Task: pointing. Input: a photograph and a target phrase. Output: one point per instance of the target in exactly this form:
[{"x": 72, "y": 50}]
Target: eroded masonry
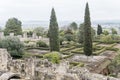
[{"x": 36, "y": 69}]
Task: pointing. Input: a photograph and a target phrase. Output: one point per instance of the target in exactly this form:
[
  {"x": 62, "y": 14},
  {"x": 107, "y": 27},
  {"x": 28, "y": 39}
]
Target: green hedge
[
  {"x": 67, "y": 49},
  {"x": 79, "y": 64},
  {"x": 96, "y": 43},
  {"x": 77, "y": 51},
  {"x": 41, "y": 44},
  {"x": 28, "y": 55},
  {"x": 112, "y": 45},
  {"x": 96, "y": 48},
  {"x": 66, "y": 53},
  {"x": 40, "y": 48},
  {"x": 68, "y": 56},
  {"x": 112, "y": 49},
  {"x": 78, "y": 45},
  {"x": 98, "y": 52}
]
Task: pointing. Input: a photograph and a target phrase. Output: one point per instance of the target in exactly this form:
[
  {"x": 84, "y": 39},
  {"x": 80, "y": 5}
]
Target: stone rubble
[{"x": 36, "y": 69}]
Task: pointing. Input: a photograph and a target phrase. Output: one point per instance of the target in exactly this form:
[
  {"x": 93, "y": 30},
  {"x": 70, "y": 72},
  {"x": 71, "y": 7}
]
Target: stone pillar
[
  {"x": 30, "y": 64},
  {"x": 4, "y": 59},
  {"x": 34, "y": 36},
  {"x": 1, "y": 35},
  {"x": 40, "y": 37},
  {"x": 25, "y": 35},
  {"x": 11, "y": 34}
]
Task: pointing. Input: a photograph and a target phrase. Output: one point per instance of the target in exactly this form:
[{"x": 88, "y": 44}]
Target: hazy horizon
[
  {"x": 37, "y": 23},
  {"x": 66, "y": 10},
  {"x": 33, "y": 12}
]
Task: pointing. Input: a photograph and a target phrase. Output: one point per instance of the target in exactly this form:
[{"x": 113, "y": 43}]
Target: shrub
[
  {"x": 106, "y": 39},
  {"x": 30, "y": 44},
  {"x": 41, "y": 44},
  {"x": 13, "y": 45},
  {"x": 54, "y": 57},
  {"x": 27, "y": 41},
  {"x": 69, "y": 37},
  {"x": 61, "y": 40},
  {"x": 105, "y": 32}
]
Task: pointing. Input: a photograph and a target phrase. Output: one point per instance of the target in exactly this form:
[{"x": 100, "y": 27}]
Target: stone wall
[
  {"x": 4, "y": 59},
  {"x": 37, "y": 69},
  {"x": 24, "y": 67}
]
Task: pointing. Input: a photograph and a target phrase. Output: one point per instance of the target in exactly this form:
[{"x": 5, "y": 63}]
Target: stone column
[
  {"x": 4, "y": 59},
  {"x": 34, "y": 36},
  {"x": 11, "y": 34},
  {"x": 25, "y": 35},
  {"x": 1, "y": 35}
]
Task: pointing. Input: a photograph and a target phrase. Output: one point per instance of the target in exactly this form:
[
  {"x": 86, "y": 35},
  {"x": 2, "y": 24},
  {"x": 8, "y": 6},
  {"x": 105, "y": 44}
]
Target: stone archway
[
  {"x": 9, "y": 76},
  {"x": 14, "y": 77}
]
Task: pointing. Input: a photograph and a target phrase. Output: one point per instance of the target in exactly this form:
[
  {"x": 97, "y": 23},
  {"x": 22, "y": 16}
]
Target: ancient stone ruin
[{"x": 36, "y": 69}]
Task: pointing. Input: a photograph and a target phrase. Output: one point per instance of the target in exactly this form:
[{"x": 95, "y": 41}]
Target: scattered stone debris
[{"x": 36, "y": 69}]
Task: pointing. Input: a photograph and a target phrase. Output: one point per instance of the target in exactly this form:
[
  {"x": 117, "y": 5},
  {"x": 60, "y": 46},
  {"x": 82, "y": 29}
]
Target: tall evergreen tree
[
  {"x": 87, "y": 32},
  {"x": 99, "y": 30},
  {"x": 81, "y": 33},
  {"x": 54, "y": 32}
]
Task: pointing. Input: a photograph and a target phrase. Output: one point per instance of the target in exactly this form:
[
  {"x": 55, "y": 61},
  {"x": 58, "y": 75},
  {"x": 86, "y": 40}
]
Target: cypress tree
[
  {"x": 87, "y": 32},
  {"x": 53, "y": 32},
  {"x": 99, "y": 30}
]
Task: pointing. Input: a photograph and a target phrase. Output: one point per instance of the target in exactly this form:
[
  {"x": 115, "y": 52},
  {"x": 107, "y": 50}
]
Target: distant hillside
[{"x": 33, "y": 24}]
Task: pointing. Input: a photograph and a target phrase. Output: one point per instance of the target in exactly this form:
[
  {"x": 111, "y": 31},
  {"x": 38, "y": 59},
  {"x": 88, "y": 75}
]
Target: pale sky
[{"x": 66, "y": 10}]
